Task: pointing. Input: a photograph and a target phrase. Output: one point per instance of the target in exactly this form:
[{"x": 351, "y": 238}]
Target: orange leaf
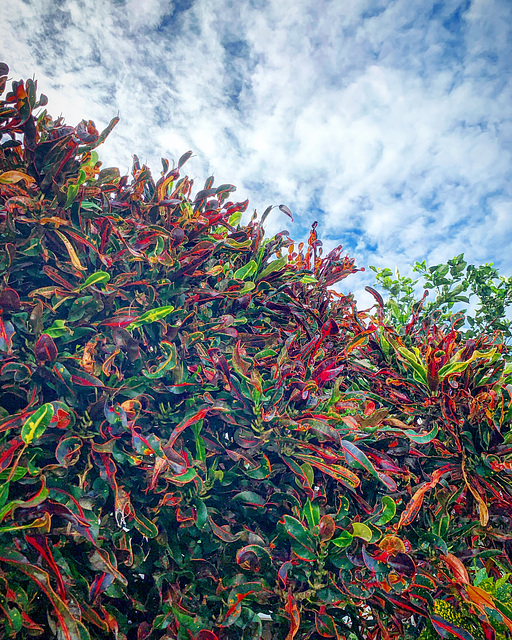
[
  {"x": 293, "y": 611},
  {"x": 392, "y": 544},
  {"x": 479, "y": 597},
  {"x": 459, "y": 570},
  {"x": 412, "y": 509},
  {"x": 11, "y": 177}
]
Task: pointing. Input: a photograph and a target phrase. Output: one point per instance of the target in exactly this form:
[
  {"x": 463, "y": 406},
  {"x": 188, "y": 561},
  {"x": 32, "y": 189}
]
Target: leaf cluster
[
  {"x": 478, "y": 297},
  {"x": 200, "y": 438}
]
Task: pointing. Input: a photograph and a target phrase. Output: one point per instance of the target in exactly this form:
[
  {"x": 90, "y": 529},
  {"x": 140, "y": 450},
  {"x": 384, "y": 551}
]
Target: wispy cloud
[{"x": 390, "y": 122}]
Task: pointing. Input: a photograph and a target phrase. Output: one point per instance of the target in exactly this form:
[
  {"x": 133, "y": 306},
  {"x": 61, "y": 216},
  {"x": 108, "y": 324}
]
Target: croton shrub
[{"x": 201, "y": 440}]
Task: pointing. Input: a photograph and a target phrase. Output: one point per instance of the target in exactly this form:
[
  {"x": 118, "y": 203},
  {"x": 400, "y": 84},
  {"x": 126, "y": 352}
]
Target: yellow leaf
[
  {"x": 52, "y": 219},
  {"x": 72, "y": 253},
  {"x": 11, "y": 177},
  {"x": 483, "y": 511}
]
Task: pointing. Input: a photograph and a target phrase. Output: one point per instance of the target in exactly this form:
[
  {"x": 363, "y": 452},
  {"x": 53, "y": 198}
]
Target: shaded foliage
[{"x": 197, "y": 434}]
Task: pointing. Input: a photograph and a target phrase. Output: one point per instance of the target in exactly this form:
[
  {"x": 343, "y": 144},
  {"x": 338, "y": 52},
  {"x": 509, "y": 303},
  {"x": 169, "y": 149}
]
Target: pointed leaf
[
  {"x": 67, "y": 623},
  {"x": 36, "y": 425},
  {"x": 447, "y": 629},
  {"x": 100, "y": 277},
  {"x": 151, "y": 316}
]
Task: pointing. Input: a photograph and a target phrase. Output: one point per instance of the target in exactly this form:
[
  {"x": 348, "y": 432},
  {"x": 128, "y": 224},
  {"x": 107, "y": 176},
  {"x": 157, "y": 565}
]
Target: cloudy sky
[{"x": 388, "y": 121}]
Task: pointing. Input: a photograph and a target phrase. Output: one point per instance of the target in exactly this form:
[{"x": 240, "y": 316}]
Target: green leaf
[
  {"x": 183, "y": 478},
  {"x": 18, "y": 474},
  {"x": 13, "y": 621},
  {"x": 151, "y": 316},
  {"x": 362, "y": 531},
  {"x": 247, "y": 288},
  {"x": 250, "y": 498},
  {"x": 145, "y": 526},
  {"x": 234, "y": 218},
  {"x": 275, "y": 265},
  {"x": 71, "y": 194},
  {"x": 89, "y": 205},
  {"x": 36, "y": 425},
  {"x": 202, "y": 514},
  {"x": 420, "y": 371},
  {"x": 458, "y": 367},
  {"x": 303, "y": 543},
  {"x": 308, "y": 472},
  {"x": 312, "y": 513},
  {"x": 307, "y": 279},
  {"x": 388, "y": 510},
  {"x": 236, "y": 596},
  {"x": 422, "y": 437},
  {"x": 58, "y": 329},
  {"x": 100, "y": 277},
  {"x": 4, "y": 490},
  {"x": 343, "y": 540},
  {"x": 246, "y": 271},
  {"x": 261, "y": 472},
  {"x": 238, "y": 246}
]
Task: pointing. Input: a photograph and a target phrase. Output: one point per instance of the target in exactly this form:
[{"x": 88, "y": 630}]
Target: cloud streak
[{"x": 389, "y": 122}]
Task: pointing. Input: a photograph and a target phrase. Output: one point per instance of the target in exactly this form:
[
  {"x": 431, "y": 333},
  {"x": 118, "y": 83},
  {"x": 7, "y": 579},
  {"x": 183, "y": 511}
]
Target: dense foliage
[
  {"x": 200, "y": 439},
  {"x": 478, "y": 294}
]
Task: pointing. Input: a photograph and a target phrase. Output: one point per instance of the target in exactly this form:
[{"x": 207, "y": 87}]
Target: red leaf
[
  {"x": 28, "y": 623},
  {"x": 86, "y": 380},
  {"x": 67, "y": 623},
  {"x": 186, "y": 423},
  {"x": 403, "y": 564},
  {"x": 445, "y": 628},
  {"x": 7, "y": 455},
  {"x": 40, "y": 543},
  {"x": 6, "y": 334},
  {"x": 45, "y": 349},
  {"x": 205, "y": 634},
  {"x": 293, "y": 611},
  {"x": 100, "y": 584},
  {"x": 9, "y": 299},
  {"x": 326, "y": 528}
]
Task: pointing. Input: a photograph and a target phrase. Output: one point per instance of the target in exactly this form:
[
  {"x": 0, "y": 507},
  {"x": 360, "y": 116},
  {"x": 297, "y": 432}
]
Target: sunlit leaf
[{"x": 100, "y": 277}]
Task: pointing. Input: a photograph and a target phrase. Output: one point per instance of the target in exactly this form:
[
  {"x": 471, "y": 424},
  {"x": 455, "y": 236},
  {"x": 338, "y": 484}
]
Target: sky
[{"x": 389, "y": 122}]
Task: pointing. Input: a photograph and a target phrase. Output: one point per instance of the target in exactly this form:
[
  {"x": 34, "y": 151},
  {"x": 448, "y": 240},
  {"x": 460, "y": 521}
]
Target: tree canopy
[{"x": 201, "y": 439}]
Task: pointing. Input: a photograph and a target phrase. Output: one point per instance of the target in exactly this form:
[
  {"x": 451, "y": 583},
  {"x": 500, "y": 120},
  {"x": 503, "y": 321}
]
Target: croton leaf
[{"x": 34, "y": 427}]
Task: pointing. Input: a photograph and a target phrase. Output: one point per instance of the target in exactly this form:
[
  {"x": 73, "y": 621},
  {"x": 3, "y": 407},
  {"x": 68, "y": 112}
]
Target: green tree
[{"x": 476, "y": 296}]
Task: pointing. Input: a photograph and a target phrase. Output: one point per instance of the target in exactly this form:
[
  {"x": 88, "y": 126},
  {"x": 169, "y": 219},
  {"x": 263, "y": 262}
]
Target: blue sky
[{"x": 389, "y": 122}]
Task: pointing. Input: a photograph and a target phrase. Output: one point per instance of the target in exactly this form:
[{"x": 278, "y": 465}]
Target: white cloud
[{"x": 391, "y": 122}]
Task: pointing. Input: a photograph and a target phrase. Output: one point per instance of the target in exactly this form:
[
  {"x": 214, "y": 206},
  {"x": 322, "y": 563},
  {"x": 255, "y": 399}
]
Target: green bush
[{"x": 200, "y": 439}]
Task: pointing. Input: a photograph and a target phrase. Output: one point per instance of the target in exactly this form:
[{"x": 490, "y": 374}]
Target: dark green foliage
[{"x": 198, "y": 434}]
